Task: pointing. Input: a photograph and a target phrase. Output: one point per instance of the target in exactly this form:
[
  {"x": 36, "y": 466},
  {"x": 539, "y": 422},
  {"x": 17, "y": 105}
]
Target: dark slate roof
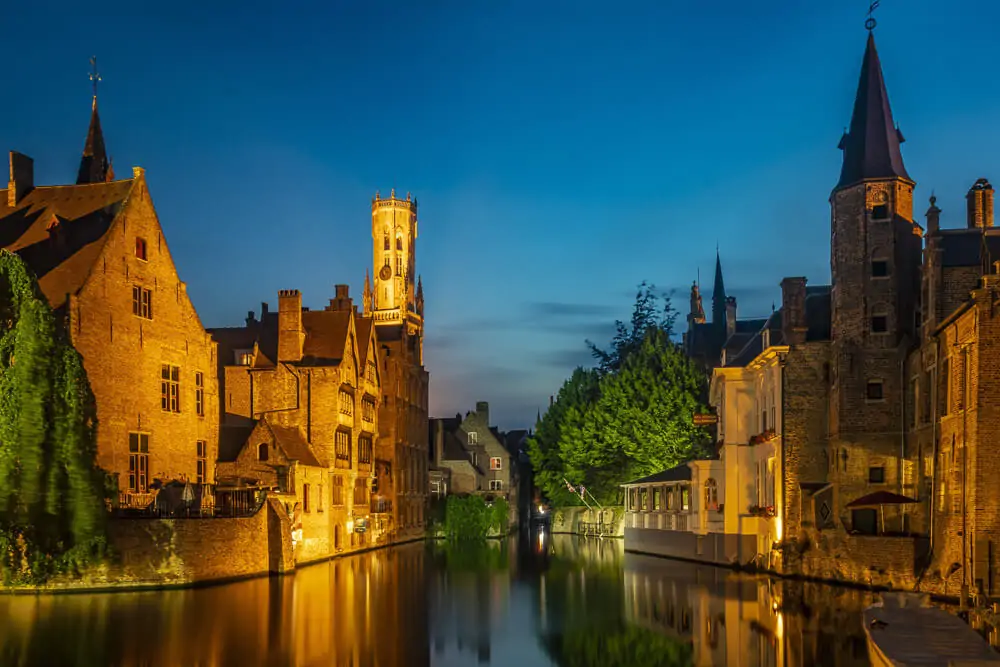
[
  {"x": 969, "y": 247},
  {"x": 817, "y": 320},
  {"x": 871, "y": 146},
  {"x": 326, "y": 335},
  {"x": 681, "y": 473},
  {"x": 453, "y": 448},
  {"x": 326, "y": 338},
  {"x": 80, "y": 217},
  {"x": 294, "y": 446}
]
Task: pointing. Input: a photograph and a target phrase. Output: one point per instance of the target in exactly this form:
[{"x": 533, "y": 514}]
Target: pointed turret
[
  {"x": 94, "y": 165},
  {"x": 718, "y": 295},
  {"x": 871, "y": 146},
  {"x": 420, "y": 295},
  {"x": 366, "y": 295},
  {"x": 697, "y": 312}
]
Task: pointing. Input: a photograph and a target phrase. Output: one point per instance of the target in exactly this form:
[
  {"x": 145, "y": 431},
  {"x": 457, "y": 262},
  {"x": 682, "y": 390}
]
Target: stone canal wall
[
  {"x": 715, "y": 548},
  {"x": 576, "y": 520},
  {"x": 153, "y": 553}
]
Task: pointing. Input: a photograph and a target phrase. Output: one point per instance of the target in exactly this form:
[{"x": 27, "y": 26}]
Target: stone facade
[
  {"x": 307, "y": 389},
  {"x": 103, "y": 263}
]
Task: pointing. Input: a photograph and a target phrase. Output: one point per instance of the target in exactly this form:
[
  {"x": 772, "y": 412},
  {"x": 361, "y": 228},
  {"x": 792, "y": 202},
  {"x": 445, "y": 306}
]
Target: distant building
[
  {"x": 476, "y": 460},
  {"x": 102, "y": 262}
]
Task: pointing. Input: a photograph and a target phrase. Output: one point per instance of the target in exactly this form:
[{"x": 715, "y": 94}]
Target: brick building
[
  {"x": 302, "y": 386},
  {"x": 879, "y": 412},
  {"x": 103, "y": 264},
  {"x": 394, "y": 303}
]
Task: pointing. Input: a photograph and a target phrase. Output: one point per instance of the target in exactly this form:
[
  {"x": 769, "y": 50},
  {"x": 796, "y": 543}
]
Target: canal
[{"x": 536, "y": 599}]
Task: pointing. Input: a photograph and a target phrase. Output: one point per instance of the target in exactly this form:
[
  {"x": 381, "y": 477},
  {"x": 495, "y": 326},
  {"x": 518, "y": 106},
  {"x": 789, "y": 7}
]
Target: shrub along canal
[{"x": 535, "y": 599}]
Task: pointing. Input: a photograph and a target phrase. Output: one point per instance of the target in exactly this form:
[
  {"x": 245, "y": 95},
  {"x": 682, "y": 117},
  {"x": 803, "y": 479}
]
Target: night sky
[{"x": 560, "y": 154}]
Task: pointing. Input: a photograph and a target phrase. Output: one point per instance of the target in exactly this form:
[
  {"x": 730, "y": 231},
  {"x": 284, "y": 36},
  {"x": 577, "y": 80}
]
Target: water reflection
[{"x": 551, "y": 600}]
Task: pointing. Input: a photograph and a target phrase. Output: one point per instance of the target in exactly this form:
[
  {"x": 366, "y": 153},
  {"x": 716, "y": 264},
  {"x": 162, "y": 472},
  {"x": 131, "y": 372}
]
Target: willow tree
[{"x": 51, "y": 490}]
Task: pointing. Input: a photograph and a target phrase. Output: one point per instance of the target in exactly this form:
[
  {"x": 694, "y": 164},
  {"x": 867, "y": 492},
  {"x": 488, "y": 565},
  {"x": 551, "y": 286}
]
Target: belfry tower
[
  {"x": 394, "y": 298},
  {"x": 875, "y": 268}
]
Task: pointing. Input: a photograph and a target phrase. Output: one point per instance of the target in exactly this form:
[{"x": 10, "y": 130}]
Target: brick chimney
[
  {"x": 342, "y": 301},
  {"x": 22, "y": 178},
  {"x": 730, "y": 316},
  {"x": 291, "y": 334},
  {"x": 483, "y": 410},
  {"x": 980, "y": 204},
  {"x": 793, "y": 310}
]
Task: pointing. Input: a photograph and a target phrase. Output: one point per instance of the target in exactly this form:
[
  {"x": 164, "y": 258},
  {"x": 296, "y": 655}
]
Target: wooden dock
[{"x": 906, "y": 632}]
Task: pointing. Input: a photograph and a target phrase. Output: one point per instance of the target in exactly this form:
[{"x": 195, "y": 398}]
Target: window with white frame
[
  {"x": 496, "y": 485},
  {"x": 495, "y": 463},
  {"x": 473, "y": 438}
]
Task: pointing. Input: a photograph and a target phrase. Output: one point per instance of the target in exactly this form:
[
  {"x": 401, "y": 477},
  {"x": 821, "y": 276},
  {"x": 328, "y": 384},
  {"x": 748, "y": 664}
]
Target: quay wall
[
  {"x": 717, "y": 548},
  {"x": 570, "y": 519}
]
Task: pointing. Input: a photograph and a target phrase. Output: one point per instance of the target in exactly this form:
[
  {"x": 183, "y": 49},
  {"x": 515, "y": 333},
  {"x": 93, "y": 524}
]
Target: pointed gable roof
[
  {"x": 872, "y": 145},
  {"x": 94, "y": 165},
  {"x": 59, "y": 231}
]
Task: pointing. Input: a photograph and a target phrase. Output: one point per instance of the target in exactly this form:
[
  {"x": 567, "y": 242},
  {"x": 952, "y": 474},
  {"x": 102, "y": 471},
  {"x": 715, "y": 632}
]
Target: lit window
[
  {"x": 495, "y": 463},
  {"x": 138, "y": 462},
  {"x": 711, "y": 494},
  {"x": 140, "y": 248},
  {"x": 473, "y": 438}
]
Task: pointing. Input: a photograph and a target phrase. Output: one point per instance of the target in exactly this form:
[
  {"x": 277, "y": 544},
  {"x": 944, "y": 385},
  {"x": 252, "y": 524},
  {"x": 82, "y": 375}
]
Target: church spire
[
  {"x": 872, "y": 145},
  {"x": 718, "y": 294},
  {"x": 94, "y": 165},
  {"x": 366, "y": 296},
  {"x": 420, "y": 295}
]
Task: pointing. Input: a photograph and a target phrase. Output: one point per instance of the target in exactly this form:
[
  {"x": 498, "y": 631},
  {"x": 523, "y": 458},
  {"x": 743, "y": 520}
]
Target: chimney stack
[
  {"x": 980, "y": 204},
  {"x": 22, "y": 178},
  {"x": 483, "y": 410},
  {"x": 933, "y": 217},
  {"x": 250, "y": 318},
  {"x": 342, "y": 301},
  {"x": 793, "y": 310},
  {"x": 730, "y": 316},
  {"x": 291, "y": 335}
]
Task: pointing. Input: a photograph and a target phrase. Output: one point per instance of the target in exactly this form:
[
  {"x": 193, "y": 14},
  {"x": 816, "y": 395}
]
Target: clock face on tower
[{"x": 385, "y": 273}]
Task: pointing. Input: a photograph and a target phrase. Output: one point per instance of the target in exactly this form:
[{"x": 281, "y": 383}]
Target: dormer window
[
  {"x": 140, "y": 249},
  {"x": 244, "y": 357}
]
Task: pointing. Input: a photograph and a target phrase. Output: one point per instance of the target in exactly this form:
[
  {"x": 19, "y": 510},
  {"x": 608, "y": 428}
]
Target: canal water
[{"x": 535, "y": 600}]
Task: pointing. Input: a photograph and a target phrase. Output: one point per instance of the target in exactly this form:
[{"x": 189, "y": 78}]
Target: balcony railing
[{"x": 205, "y": 501}]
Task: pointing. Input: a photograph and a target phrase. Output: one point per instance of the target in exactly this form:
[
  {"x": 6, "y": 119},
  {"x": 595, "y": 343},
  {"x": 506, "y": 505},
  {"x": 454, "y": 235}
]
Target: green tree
[
  {"x": 628, "y": 418},
  {"x": 51, "y": 491}
]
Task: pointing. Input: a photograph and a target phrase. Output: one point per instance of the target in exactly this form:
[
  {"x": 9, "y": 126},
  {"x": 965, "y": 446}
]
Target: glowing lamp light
[{"x": 350, "y": 525}]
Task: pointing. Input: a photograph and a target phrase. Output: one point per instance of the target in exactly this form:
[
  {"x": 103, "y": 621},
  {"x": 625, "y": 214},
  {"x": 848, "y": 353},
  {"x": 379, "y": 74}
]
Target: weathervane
[
  {"x": 95, "y": 76},
  {"x": 870, "y": 22}
]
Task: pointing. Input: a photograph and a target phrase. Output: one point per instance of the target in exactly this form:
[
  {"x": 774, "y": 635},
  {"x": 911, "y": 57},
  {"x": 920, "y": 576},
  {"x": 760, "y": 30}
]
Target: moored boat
[{"x": 904, "y": 630}]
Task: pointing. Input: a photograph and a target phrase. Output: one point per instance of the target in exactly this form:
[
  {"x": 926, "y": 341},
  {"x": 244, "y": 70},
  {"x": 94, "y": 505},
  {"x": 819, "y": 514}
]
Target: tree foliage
[
  {"x": 472, "y": 518},
  {"x": 630, "y": 417},
  {"x": 51, "y": 491}
]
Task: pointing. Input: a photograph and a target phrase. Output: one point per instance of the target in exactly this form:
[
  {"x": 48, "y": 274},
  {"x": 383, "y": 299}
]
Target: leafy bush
[{"x": 472, "y": 518}]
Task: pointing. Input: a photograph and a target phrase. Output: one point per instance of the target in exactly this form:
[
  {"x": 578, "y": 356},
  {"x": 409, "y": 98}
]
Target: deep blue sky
[{"x": 561, "y": 151}]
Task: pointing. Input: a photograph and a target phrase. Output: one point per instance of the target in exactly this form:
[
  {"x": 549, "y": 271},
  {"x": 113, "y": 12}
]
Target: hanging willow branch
[{"x": 51, "y": 491}]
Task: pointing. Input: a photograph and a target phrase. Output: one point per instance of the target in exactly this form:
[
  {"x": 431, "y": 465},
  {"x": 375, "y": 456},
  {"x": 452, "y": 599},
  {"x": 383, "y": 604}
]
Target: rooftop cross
[
  {"x": 870, "y": 22},
  {"x": 95, "y": 76}
]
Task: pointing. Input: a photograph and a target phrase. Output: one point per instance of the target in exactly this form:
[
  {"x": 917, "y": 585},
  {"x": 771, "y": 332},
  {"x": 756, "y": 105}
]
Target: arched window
[
  {"x": 262, "y": 451},
  {"x": 711, "y": 494},
  {"x": 399, "y": 243},
  {"x": 385, "y": 243}
]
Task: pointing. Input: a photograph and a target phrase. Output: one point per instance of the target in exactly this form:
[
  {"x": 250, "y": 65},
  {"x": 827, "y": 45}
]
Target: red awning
[{"x": 880, "y": 498}]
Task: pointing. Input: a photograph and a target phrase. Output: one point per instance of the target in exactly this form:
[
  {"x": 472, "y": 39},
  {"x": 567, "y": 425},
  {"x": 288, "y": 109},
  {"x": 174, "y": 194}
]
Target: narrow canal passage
[{"x": 535, "y": 600}]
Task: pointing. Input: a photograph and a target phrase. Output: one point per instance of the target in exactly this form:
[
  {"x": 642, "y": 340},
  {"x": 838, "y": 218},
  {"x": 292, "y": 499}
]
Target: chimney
[
  {"x": 980, "y": 204},
  {"x": 22, "y": 178},
  {"x": 291, "y": 335},
  {"x": 793, "y": 310},
  {"x": 342, "y": 301},
  {"x": 483, "y": 410},
  {"x": 250, "y": 318},
  {"x": 730, "y": 316},
  {"x": 263, "y": 310},
  {"x": 438, "y": 441}
]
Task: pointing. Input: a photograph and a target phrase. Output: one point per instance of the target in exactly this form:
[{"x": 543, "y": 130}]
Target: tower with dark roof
[
  {"x": 875, "y": 269},
  {"x": 94, "y": 164},
  {"x": 718, "y": 297}
]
